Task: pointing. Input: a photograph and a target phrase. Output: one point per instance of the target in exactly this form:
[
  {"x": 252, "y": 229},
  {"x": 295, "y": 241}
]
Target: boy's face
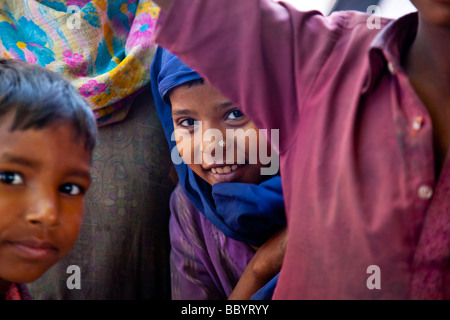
[
  {"x": 435, "y": 12},
  {"x": 44, "y": 175},
  {"x": 201, "y": 110}
]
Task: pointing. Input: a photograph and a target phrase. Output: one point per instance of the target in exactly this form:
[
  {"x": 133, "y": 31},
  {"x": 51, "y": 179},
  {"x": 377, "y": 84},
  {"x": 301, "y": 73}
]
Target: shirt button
[
  {"x": 425, "y": 192},
  {"x": 391, "y": 68},
  {"x": 417, "y": 123}
]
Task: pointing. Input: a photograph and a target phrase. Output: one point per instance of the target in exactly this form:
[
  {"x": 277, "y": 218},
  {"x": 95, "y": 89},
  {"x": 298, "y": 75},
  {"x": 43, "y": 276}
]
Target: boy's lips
[{"x": 34, "y": 248}]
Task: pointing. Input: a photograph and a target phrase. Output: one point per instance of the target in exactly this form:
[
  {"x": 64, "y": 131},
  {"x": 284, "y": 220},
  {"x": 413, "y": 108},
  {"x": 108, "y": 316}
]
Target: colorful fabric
[
  {"x": 17, "y": 292},
  {"x": 205, "y": 264},
  {"x": 246, "y": 212},
  {"x": 103, "y": 47},
  {"x": 356, "y": 141}
]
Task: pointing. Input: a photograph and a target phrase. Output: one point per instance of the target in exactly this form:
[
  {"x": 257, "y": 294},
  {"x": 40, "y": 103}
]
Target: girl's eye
[
  {"x": 11, "y": 178},
  {"x": 187, "y": 123},
  {"x": 235, "y": 114},
  {"x": 71, "y": 189}
]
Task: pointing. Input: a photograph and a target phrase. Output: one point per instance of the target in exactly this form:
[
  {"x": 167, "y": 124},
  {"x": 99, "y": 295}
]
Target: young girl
[
  {"x": 47, "y": 134},
  {"x": 363, "y": 111},
  {"x": 222, "y": 210}
]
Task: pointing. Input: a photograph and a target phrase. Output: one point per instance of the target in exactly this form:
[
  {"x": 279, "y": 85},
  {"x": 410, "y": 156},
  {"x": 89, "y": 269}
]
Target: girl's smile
[
  {"x": 226, "y": 173},
  {"x": 199, "y": 110}
]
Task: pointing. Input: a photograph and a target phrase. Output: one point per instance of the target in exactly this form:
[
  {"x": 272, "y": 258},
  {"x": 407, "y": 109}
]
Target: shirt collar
[{"x": 389, "y": 47}]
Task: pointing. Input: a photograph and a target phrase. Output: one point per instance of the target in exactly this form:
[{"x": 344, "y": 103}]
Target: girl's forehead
[{"x": 199, "y": 99}]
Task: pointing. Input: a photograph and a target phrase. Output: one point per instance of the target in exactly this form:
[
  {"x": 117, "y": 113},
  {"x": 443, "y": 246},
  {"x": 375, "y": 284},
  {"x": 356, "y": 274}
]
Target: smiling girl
[{"x": 224, "y": 208}]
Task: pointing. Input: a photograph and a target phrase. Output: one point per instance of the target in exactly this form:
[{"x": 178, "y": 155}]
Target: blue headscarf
[{"x": 249, "y": 213}]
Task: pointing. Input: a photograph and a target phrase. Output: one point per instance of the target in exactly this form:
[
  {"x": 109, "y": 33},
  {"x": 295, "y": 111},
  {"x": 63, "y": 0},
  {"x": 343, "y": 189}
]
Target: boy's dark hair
[{"x": 41, "y": 97}]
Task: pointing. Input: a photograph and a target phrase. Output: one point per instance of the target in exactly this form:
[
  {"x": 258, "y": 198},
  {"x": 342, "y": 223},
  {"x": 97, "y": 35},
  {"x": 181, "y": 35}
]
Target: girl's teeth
[{"x": 225, "y": 169}]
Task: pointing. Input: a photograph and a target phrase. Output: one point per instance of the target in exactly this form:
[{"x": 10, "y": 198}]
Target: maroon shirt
[{"x": 356, "y": 143}]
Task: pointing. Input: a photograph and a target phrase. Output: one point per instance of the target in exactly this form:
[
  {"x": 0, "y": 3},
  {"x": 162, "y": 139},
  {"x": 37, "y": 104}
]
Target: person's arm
[
  {"x": 265, "y": 264},
  {"x": 262, "y": 55}
]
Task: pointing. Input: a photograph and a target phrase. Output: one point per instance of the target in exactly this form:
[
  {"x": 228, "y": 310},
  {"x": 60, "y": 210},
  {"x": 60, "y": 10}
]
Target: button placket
[
  {"x": 425, "y": 192},
  {"x": 417, "y": 124},
  {"x": 391, "y": 68}
]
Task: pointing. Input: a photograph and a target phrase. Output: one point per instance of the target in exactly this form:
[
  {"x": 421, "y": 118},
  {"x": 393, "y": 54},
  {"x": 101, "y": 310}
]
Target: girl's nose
[{"x": 213, "y": 142}]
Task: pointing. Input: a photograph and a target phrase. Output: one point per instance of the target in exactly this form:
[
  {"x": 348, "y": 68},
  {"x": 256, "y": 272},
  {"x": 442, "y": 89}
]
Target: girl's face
[{"x": 204, "y": 145}]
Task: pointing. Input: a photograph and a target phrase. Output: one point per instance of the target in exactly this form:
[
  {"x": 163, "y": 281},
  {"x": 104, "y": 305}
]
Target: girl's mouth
[
  {"x": 225, "y": 169},
  {"x": 227, "y": 173}
]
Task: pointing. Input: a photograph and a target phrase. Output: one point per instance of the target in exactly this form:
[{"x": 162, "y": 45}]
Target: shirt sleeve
[{"x": 261, "y": 54}]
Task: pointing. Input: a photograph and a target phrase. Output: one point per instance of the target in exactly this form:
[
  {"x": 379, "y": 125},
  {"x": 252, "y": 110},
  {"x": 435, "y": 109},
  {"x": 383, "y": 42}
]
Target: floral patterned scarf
[{"x": 103, "y": 47}]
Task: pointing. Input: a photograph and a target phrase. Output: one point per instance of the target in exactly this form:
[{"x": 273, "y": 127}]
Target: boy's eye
[
  {"x": 11, "y": 178},
  {"x": 71, "y": 189},
  {"x": 187, "y": 123},
  {"x": 235, "y": 114}
]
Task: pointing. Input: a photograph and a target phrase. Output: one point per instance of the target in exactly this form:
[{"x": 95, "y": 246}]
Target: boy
[
  {"x": 364, "y": 119},
  {"x": 47, "y": 134}
]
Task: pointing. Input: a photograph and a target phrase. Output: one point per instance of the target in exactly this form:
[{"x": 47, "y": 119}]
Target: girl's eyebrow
[
  {"x": 183, "y": 112},
  {"x": 224, "y": 105}
]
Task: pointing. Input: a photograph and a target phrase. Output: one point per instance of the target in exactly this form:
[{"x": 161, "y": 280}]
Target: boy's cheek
[
  {"x": 19, "y": 270},
  {"x": 70, "y": 226}
]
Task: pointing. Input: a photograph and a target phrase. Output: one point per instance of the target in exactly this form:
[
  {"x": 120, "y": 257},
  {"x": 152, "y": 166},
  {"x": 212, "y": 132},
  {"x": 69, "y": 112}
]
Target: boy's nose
[{"x": 43, "y": 210}]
